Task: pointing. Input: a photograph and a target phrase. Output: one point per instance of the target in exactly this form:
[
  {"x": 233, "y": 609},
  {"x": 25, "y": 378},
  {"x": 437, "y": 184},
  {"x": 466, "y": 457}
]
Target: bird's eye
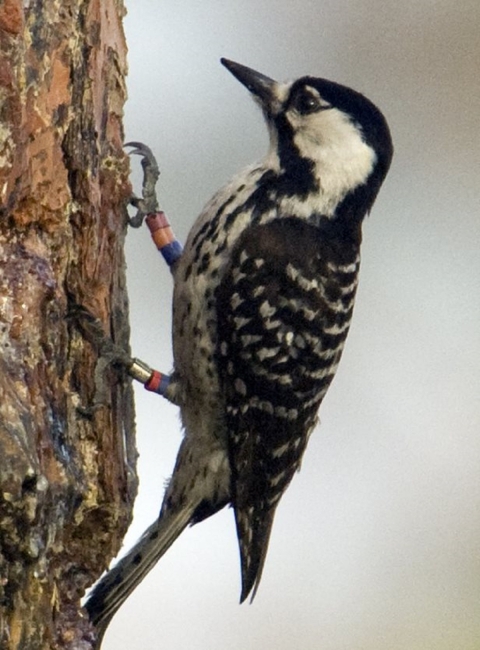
[{"x": 305, "y": 103}]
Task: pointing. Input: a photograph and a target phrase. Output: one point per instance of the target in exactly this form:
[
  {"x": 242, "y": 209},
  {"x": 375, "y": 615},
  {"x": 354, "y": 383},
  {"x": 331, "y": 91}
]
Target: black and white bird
[{"x": 263, "y": 299}]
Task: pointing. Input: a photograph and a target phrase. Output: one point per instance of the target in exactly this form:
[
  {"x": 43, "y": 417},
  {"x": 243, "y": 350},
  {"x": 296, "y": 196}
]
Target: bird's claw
[
  {"x": 148, "y": 204},
  {"x": 109, "y": 354},
  {"x": 92, "y": 329}
]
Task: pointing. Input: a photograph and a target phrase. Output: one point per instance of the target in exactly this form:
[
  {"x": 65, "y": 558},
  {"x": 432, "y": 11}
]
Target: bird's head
[{"x": 329, "y": 138}]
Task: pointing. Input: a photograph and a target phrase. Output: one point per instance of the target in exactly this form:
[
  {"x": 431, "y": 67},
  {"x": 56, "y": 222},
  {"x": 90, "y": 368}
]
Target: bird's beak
[{"x": 261, "y": 86}]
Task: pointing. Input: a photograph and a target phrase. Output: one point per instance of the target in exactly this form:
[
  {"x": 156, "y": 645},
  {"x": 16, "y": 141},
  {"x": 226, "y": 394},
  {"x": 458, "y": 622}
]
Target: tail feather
[
  {"x": 117, "y": 585},
  {"x": 254, "y": 535}
]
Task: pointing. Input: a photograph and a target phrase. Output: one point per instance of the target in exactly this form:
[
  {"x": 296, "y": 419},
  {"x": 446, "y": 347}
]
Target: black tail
[
  {"x": 116, "y": 586},
  {"x": 253, "y": 530}
]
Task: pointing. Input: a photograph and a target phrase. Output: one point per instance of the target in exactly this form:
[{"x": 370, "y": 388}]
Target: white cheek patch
[{"x": 342, "y": 159}]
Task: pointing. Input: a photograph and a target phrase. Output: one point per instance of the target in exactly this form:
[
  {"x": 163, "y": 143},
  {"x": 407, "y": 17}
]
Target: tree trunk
[{"x": 67, "y": 470}]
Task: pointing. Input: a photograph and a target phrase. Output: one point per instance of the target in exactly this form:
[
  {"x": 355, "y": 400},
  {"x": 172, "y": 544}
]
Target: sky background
[{"x": 376, "y": 544}]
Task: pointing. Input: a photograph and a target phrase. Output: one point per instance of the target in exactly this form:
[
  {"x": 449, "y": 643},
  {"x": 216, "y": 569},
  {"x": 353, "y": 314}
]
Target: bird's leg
[
  {"x": 147, "y": 207},
  {"x": 171, "y": 249},
  {"x": 111, "y": 354}
]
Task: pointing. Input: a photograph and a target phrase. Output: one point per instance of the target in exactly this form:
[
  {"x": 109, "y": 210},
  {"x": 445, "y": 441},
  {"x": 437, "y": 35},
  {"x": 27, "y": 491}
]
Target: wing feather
[{"x": 284, "y": 307}]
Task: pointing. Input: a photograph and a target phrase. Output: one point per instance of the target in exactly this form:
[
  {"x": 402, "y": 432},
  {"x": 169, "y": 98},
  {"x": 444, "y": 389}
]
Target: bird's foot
[
  {"x": 112, "y": 355},
  {"x": 148, "y": 204}
]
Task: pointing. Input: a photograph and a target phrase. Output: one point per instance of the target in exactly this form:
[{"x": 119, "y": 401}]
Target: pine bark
[{"x": 67, "y": 464}]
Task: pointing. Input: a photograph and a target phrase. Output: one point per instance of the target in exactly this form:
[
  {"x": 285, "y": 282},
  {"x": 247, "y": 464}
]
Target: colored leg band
[
  {"x": 157, "y": 383},
  {"x": 151, "y": 379},
  {"x": 163, "y": 236}
]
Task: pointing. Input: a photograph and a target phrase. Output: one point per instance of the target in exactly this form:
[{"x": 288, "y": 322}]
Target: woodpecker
[{"x": 263, "y": 298}]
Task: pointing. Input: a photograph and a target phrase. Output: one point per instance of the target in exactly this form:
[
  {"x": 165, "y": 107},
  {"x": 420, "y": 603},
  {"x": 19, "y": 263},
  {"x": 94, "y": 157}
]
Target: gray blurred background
[{"x": 376, "y": 545}]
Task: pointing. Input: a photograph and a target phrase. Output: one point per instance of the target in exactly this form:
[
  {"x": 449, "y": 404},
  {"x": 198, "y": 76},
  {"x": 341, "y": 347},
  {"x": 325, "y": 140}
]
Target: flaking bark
[{"x": 67, "y": 470}]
